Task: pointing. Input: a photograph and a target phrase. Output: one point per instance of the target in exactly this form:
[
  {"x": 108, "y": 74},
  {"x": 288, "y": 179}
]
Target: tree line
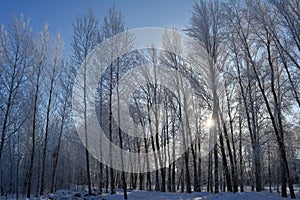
[{"x": 242, "y": 65}]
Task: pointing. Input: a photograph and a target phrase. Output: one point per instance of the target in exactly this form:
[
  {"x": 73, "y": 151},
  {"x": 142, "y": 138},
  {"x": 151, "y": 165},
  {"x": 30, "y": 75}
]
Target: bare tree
[
  {"x": 65, "y": 84},
  {"x": 17, "y": 55},
  {"x": 54, "y": 62},
  {"x": 255, "y": 39},
  {"x": 261, "y": 12},
  {"x": 242, "y": 64},
  {"x": 171, "y": 57},
  {"x": 284, "y": 30},
  {"x": 205, "y": 28},
  {"x": 113, "y": 24},
  {"x": 42, "y": 49},
  {"x": 85, "y": 38}
]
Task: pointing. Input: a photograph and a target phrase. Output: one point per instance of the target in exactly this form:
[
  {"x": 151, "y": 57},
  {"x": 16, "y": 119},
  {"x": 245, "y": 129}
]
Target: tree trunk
[
  {"x": 209, "y": 173},
  {"x": 174, "y": 162},
  {"x": 112, "y": 177},
  {"x": 141, "y": 181},
  {"x": 269, "y": 169},
  {"x": 169, "y": 181},
  {"x": 120, "y": 135},
  {"x": 241, "y": 154},
  {"x": 199, "y": 167},
  {"x": 216, "y": 170},
  {"x": 225, "y": 166},
  {"x": 57, "y": 151},
  {"x": 47, "y": 129},
  {"x": 232, "y": 153},
  {"x": 85, "y": 132},
  {"x": 29, "y": 178},
  {"x": 187, "y": 172},
  {"x": 196, "y": 183}
]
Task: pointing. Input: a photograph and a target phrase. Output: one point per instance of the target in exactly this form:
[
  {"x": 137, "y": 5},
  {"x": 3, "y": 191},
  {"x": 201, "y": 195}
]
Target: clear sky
[{"x": 61, "y": 14}]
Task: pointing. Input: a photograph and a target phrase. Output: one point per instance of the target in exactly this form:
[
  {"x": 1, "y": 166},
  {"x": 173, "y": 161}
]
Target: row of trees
[{"x": 242, "y": 66}]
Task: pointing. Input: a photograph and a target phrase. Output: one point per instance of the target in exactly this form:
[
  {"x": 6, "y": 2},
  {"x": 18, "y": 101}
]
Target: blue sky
[{"x": 61, "y": 14}]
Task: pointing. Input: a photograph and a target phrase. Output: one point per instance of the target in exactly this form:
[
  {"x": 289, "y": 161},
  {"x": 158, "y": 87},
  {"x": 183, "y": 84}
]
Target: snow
[
  {"x": 147, "y": 195},
  {"x": 138, "y": 195}
]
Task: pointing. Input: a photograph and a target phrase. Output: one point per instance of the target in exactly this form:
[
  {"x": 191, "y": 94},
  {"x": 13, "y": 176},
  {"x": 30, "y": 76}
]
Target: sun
[{"x": 209, "y": 122}]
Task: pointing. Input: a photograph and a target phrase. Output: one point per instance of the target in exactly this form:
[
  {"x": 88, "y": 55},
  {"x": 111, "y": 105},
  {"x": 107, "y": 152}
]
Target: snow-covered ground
[
  {"x": 146, "y": 195},
  {"x": 135, "y": 195}
]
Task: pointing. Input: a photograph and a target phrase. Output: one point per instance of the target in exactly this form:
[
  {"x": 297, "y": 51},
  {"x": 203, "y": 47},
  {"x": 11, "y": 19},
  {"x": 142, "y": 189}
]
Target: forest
[{"x": 213, "y": 108}]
